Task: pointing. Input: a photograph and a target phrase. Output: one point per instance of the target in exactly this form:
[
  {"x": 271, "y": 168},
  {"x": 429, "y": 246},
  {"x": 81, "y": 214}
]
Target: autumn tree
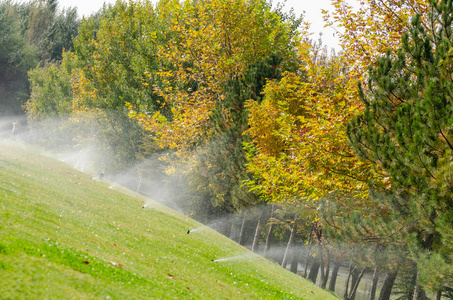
[
  {"x": 299, "y": 149},
  {"x": 405, "y": 128},
  {"x": 367, "y": 29},
  {"x": 216, "y": 55},
  {"x": 209, "y": 43},
  {"x": 222, "y": 161}
]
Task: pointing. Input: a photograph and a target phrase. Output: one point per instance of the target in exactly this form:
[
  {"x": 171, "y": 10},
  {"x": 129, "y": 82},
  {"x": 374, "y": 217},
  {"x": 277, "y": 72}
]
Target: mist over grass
[
  {"x": 12, "y": 125},
  {"x": 85, "y": 157},
  {"x": 64, "y": 235},
  {"x": 64, "y": 141}
]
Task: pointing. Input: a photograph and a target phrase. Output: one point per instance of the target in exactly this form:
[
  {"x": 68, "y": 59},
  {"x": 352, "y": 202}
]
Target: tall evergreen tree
[{"x": 407, "y": 127}]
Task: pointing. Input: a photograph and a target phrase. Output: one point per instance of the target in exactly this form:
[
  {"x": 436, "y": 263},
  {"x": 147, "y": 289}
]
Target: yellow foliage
[
  {"x": 369, "y": 28},
  {"x": 301, "y": 150},
  {"x": 83, "y": 92},
  {"x": 209, "y": 42}
]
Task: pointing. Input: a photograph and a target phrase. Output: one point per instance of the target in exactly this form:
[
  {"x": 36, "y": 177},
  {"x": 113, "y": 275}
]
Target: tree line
[
  {"x": 341, "y": 159},
  {"x": 31, "y": 33}
]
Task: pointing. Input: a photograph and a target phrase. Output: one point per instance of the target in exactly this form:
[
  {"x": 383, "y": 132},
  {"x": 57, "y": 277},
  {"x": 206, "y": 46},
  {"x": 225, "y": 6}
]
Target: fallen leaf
[
  {"x": 116, "y": 264},
  {"x": 86, "y": 262},
  {"x": 171, "y": 276}
]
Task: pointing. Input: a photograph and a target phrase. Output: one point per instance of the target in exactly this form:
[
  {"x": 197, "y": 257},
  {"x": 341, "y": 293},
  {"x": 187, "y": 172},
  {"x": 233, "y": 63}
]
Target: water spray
[
  {"x": 237, "y": 257},
  {"x": 196, "y": 229}
]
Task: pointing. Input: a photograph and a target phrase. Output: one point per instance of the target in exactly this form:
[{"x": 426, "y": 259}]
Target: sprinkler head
[
  {"x": 188, "y": 231},
  {"x": 212, "y": 260}
]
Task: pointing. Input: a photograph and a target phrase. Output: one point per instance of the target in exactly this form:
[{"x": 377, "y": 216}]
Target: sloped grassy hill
[{"x": 66, "y": 236}]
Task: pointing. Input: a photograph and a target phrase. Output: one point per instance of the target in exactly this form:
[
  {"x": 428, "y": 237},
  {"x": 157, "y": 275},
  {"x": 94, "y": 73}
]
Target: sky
[{"x": 312, "y": 10}]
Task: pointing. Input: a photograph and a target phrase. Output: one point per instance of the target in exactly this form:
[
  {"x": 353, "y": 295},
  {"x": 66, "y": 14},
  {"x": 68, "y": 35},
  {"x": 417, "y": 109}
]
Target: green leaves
[{"x": 405, "y": 132}]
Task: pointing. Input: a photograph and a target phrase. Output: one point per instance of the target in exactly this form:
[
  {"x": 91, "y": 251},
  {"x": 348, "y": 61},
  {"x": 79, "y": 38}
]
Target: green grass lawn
[{"x": 66, "y": 236}]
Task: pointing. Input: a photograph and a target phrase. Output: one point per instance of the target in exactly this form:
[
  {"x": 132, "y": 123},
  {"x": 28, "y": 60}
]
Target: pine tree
[
  {"x": 369, "y": 237},
  {"x": 407, "y": 128}
]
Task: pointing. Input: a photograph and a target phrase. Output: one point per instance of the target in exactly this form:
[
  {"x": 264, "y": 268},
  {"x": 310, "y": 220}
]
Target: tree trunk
[
  {"x": 233, "y": 233},
  {"x": 290, "y": 242},
  {"x": 374, "y": 285},
  {"x": 225, "y": 228},
  {"x": 307, "y": 257},
  {"x": 269, "y": 234},
  {"x": 333, "y": 277},
  {"x": 388, "y": 285},
  {"x": 326, "y": 272},
  {"x": 279, "y": 257},
  {"x": 354, "y": 278},
  {"x": 256, "y": 238},
  {"x": 439, "y": 295},
  {"x": 307, "y": 262},
  {"x": 355, "y": 284},
  {"x": 365, "y": 290},
  {"x": 295, "y": 259},
  {"x": 314, "y": 271},
  {"x": 419, "y": 293},
  {"x": 139, "y": 184},
  {"x": 288, "y": 247},
  {"x": 242, "y": 233},
  {"x": 321, "y": 260},
  {"x": 346, "y": 288}
]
